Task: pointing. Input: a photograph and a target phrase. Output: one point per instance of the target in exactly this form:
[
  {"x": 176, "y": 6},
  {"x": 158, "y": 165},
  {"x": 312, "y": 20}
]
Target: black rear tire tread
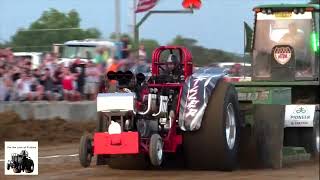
[
  {"x": 30, "y": 166},
  {"x": 207, "y": 148},
  {"x": 316, "y": 131}
]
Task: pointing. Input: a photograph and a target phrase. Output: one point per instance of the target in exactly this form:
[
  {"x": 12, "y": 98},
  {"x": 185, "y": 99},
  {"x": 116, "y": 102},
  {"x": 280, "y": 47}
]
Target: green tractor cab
[{"x": 280, "y": 106}]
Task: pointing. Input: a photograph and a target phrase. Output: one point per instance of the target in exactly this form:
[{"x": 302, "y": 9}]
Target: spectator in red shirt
[{"x": 68, "y": 85}]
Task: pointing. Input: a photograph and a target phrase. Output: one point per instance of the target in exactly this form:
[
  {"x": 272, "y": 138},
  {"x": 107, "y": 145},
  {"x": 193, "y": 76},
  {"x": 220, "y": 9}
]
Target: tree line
[{"x": 57, "y": 27}]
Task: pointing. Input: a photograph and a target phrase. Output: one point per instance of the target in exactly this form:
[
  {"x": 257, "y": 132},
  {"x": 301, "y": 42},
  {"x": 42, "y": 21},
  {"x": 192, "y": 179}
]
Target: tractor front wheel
[
  {"x": 85, "y": 150},
  {"x": 215, "y": 145},
  {"x": 156, "y": 150},
  {"x": 17, "y": 169}
]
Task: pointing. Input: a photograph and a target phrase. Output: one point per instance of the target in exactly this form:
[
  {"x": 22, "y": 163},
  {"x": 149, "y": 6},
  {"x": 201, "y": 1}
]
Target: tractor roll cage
[{"x": 184, "y": 56}]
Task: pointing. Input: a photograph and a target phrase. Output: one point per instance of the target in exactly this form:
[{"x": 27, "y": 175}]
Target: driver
[
  {"x": 293, "y": 37},
  {"x": 296, "y": 39},
  {"x": 173, "y": 66}
]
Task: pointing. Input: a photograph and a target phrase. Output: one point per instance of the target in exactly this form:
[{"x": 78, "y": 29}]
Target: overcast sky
[{"x": 218, "y": 24}]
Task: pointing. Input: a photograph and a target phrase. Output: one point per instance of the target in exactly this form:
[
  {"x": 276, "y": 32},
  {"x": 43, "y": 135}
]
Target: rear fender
[{"x": 194, "y": 99}]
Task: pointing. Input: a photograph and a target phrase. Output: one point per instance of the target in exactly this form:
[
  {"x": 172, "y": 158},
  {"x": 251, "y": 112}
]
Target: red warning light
[{"x": 188, "y": 4}]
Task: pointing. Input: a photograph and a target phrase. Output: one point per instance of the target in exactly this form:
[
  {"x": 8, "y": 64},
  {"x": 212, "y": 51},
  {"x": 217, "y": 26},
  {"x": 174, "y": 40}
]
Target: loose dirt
[
  {"x": 53, "y": 131},
  {"x": 60, "y": 137}
]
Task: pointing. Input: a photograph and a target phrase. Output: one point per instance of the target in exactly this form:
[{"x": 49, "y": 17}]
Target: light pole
[
  {"x": 134, "y": 18},
  {"x": 117, "y": 20},
  {"x": 144, "y": 18}
]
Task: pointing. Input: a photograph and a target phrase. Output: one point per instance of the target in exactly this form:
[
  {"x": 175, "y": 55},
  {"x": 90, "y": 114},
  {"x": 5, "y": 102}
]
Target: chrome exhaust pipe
[
  {"x": 163, "y": 106},
  {"x": 151, "y": 98}
]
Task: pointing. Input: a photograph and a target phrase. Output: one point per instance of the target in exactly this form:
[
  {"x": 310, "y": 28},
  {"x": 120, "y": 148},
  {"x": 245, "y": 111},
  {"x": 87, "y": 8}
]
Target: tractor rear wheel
[
  {"x": 29, "y": 166},
  {"x": 215, "y": 145},
  {"x": 101, "y": 126},
  {"x": 85, "y": 150},
  {"x": 305, "y": 137},
  {"x": 316, "y": 136}
]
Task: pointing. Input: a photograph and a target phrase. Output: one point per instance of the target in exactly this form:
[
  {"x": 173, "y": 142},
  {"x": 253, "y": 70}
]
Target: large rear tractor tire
[
  {"x": 307, "y": 138},
  {"x": 316, "y": 136},
  {"x": 215, "y": 145},
  {"x": 85, "y": 150},
  {"x": 29, "y": 166},
  {"x": 101, "y": 126}
]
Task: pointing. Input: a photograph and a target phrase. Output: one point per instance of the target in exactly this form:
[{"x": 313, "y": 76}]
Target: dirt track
[
  {"x": 54, "y": 136},
  {"x": 69, "y": 168},
  {"x": 53, "y": 132}
]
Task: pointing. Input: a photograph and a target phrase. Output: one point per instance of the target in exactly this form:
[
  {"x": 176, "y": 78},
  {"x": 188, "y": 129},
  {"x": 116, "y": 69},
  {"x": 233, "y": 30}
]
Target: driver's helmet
[{"x": 173, "y": 62}]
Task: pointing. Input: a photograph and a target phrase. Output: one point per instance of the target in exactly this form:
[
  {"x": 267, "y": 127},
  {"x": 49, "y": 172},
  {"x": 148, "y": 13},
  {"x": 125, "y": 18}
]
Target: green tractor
[{"x": 280, "y": 105}]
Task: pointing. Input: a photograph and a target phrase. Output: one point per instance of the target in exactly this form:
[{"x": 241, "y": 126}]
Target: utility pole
[
  {"x": 134, "y": 18},
  {"x": 117, "y": 20},
  {"x": 145, "y": 17}
]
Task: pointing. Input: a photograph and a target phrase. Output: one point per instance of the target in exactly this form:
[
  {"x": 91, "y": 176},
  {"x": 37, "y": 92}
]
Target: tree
[
  {"x": 149, "y": 45},
  {"x": 314, "y": 2},
  {"x": 203, "y": 56},
  {"x": 182, "y": 41},
  {"x": 57, "y": 27}
]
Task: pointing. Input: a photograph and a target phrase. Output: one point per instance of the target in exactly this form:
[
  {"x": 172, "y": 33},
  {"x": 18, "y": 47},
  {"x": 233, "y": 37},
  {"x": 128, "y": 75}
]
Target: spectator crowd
[{"x": 53, "y": 81}]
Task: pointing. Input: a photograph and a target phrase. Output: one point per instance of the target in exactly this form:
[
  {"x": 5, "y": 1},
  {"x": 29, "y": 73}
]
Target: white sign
[
  {"x": 299, "y": 115},
  {"x": 21, "y": 158}
]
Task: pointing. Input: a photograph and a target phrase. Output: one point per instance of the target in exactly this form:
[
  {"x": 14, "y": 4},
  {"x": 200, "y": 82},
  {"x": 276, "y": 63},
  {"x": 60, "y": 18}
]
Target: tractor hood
[{"x": 195, "y": 96}]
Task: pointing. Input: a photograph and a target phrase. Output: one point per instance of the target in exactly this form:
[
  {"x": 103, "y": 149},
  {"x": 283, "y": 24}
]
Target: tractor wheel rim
[
  {"x": 159, "y": 150},
  {"x": 230, "y": 126}
]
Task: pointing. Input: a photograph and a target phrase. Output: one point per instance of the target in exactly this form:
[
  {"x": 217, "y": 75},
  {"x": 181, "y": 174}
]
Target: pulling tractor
[
  {"x": 155, "y": 117},
  {"x": 202, "y": 113}
]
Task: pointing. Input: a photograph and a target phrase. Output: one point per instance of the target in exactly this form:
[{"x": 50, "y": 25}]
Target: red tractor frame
[{"x": 130, "y": 142}]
